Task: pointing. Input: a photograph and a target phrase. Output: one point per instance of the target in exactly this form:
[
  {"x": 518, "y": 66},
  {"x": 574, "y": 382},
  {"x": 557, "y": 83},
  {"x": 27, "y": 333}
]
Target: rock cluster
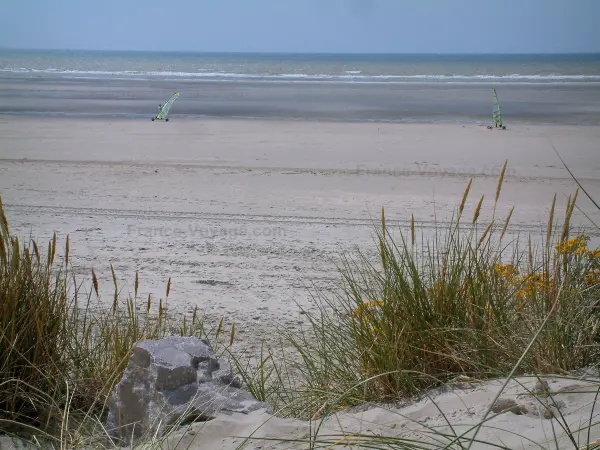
[{"x": 172, "y": 380}]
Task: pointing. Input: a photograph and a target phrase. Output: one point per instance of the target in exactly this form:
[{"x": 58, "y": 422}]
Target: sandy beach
[
  {"x": 299, "y": 225},
  {"x": 245, "y": 215}
]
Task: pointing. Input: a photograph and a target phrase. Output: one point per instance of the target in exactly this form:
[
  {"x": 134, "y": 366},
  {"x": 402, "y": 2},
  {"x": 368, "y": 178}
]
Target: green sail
[
  {"x": 164, "y": 111},
  {"x": 496, "y": 113}
]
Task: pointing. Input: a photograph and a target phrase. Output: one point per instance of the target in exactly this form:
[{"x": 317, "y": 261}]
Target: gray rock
[
  {"x": 503, "y": 405},
  {"x": 15, "y": 443},
  {"x": 170, "y": 380},
  {"x": 538, "y": 402}
]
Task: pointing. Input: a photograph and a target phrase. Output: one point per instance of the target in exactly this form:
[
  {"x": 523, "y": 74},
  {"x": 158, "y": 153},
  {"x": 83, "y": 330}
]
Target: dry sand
[
  {"x": 519, "y": 420},
  {"x": 244, "y": 215}
]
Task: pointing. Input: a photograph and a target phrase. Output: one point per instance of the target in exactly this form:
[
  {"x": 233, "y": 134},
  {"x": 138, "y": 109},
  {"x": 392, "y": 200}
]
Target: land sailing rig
[
  {"x": 496, "y": 113},
  {"x": 163, "y": 110}
]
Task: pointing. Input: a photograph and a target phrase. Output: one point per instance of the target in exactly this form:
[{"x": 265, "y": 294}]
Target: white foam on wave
[{"x": 349, "y": 76}]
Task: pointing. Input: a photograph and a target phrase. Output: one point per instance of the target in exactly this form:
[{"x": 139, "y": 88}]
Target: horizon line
[{"x": 31, "y": 49}]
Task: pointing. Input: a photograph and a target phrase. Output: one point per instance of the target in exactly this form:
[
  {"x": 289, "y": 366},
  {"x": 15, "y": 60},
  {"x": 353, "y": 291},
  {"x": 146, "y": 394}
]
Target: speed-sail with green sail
[
  {"x": 163, "y": 111},
  {"x": 496, "y": 112}
]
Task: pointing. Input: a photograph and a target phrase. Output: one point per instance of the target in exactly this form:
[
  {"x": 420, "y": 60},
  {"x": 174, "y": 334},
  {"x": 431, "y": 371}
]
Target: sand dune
[{"x": 519, "y": 420}]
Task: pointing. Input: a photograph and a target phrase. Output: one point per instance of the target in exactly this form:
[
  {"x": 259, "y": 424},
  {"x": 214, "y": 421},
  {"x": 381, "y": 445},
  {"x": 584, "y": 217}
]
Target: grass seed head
[
  {"x": 506, "y": 222},
  {"x": 232, "y": 336},
  {"x": 67, "y": 251},
  {"x": 464, "y": 198},
  {"x": 95, "y": 282},
  {"x": 500, "y": 181},
  {"x": 477, "y": 210},
  {"x": 550, "y": 223}
]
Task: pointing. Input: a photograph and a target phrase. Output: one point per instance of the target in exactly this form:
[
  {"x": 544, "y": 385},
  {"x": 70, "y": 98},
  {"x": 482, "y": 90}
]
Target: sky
[{"x": 322, "y": 26}]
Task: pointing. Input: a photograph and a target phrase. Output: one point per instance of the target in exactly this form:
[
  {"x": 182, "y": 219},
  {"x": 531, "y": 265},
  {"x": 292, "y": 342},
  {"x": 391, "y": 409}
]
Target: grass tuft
[
  {"x": 461, "y": 303},
  {"x": 62, "y": 351}
]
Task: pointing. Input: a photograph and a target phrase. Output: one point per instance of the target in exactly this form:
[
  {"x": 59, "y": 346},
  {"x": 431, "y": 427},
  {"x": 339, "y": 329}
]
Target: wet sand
[
  {"x": 557, "y": 103},
  {"x": 244, "y": 215}
]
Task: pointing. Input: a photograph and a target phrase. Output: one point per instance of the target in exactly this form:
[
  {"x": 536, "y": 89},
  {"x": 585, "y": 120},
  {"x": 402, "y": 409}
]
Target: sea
[{"x": 373, "y": 87}]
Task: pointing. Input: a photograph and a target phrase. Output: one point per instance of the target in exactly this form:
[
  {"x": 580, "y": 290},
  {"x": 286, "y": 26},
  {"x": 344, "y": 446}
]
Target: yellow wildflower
[
  {"x": 593, "y": 254},
  {"x": 523, "y": 293},
  {"x": 374, "y": 304},
  {"x": 576, "y": 245},
  {"x": 593, "y": 277},
  {"x": 533, "y": 283},
  {"x": 367, "y": 305},
  {"x": 508, "y": 271},
  {"x": 535, "y": 278}
]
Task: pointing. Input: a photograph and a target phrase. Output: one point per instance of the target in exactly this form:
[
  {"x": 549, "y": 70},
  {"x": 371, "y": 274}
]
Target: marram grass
[
  {"x": 465, "y": 302},
  {"x": 459, "y": 304},
  {"x": 62, "y": 353}
]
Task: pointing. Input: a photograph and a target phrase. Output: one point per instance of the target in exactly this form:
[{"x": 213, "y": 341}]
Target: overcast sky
[{"x": 354, "y": 26}]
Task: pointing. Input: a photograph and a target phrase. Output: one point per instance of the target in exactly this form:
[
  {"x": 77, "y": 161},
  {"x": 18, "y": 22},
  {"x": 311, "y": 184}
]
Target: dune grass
[
  {"x": 62, "y": 351},
  {"x": 468, "y": 304},
  {"x": 465, "y": 302}
]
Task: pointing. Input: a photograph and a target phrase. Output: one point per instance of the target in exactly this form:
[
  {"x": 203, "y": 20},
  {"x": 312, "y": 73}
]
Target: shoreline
[
  {"x": 204, "y": 117},
  {"x": 311, "y": 101}
]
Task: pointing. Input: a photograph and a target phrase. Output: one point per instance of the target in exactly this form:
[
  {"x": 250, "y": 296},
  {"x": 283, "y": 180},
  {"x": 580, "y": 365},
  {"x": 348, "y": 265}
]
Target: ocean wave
[{"x": 348, "y": 76}]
